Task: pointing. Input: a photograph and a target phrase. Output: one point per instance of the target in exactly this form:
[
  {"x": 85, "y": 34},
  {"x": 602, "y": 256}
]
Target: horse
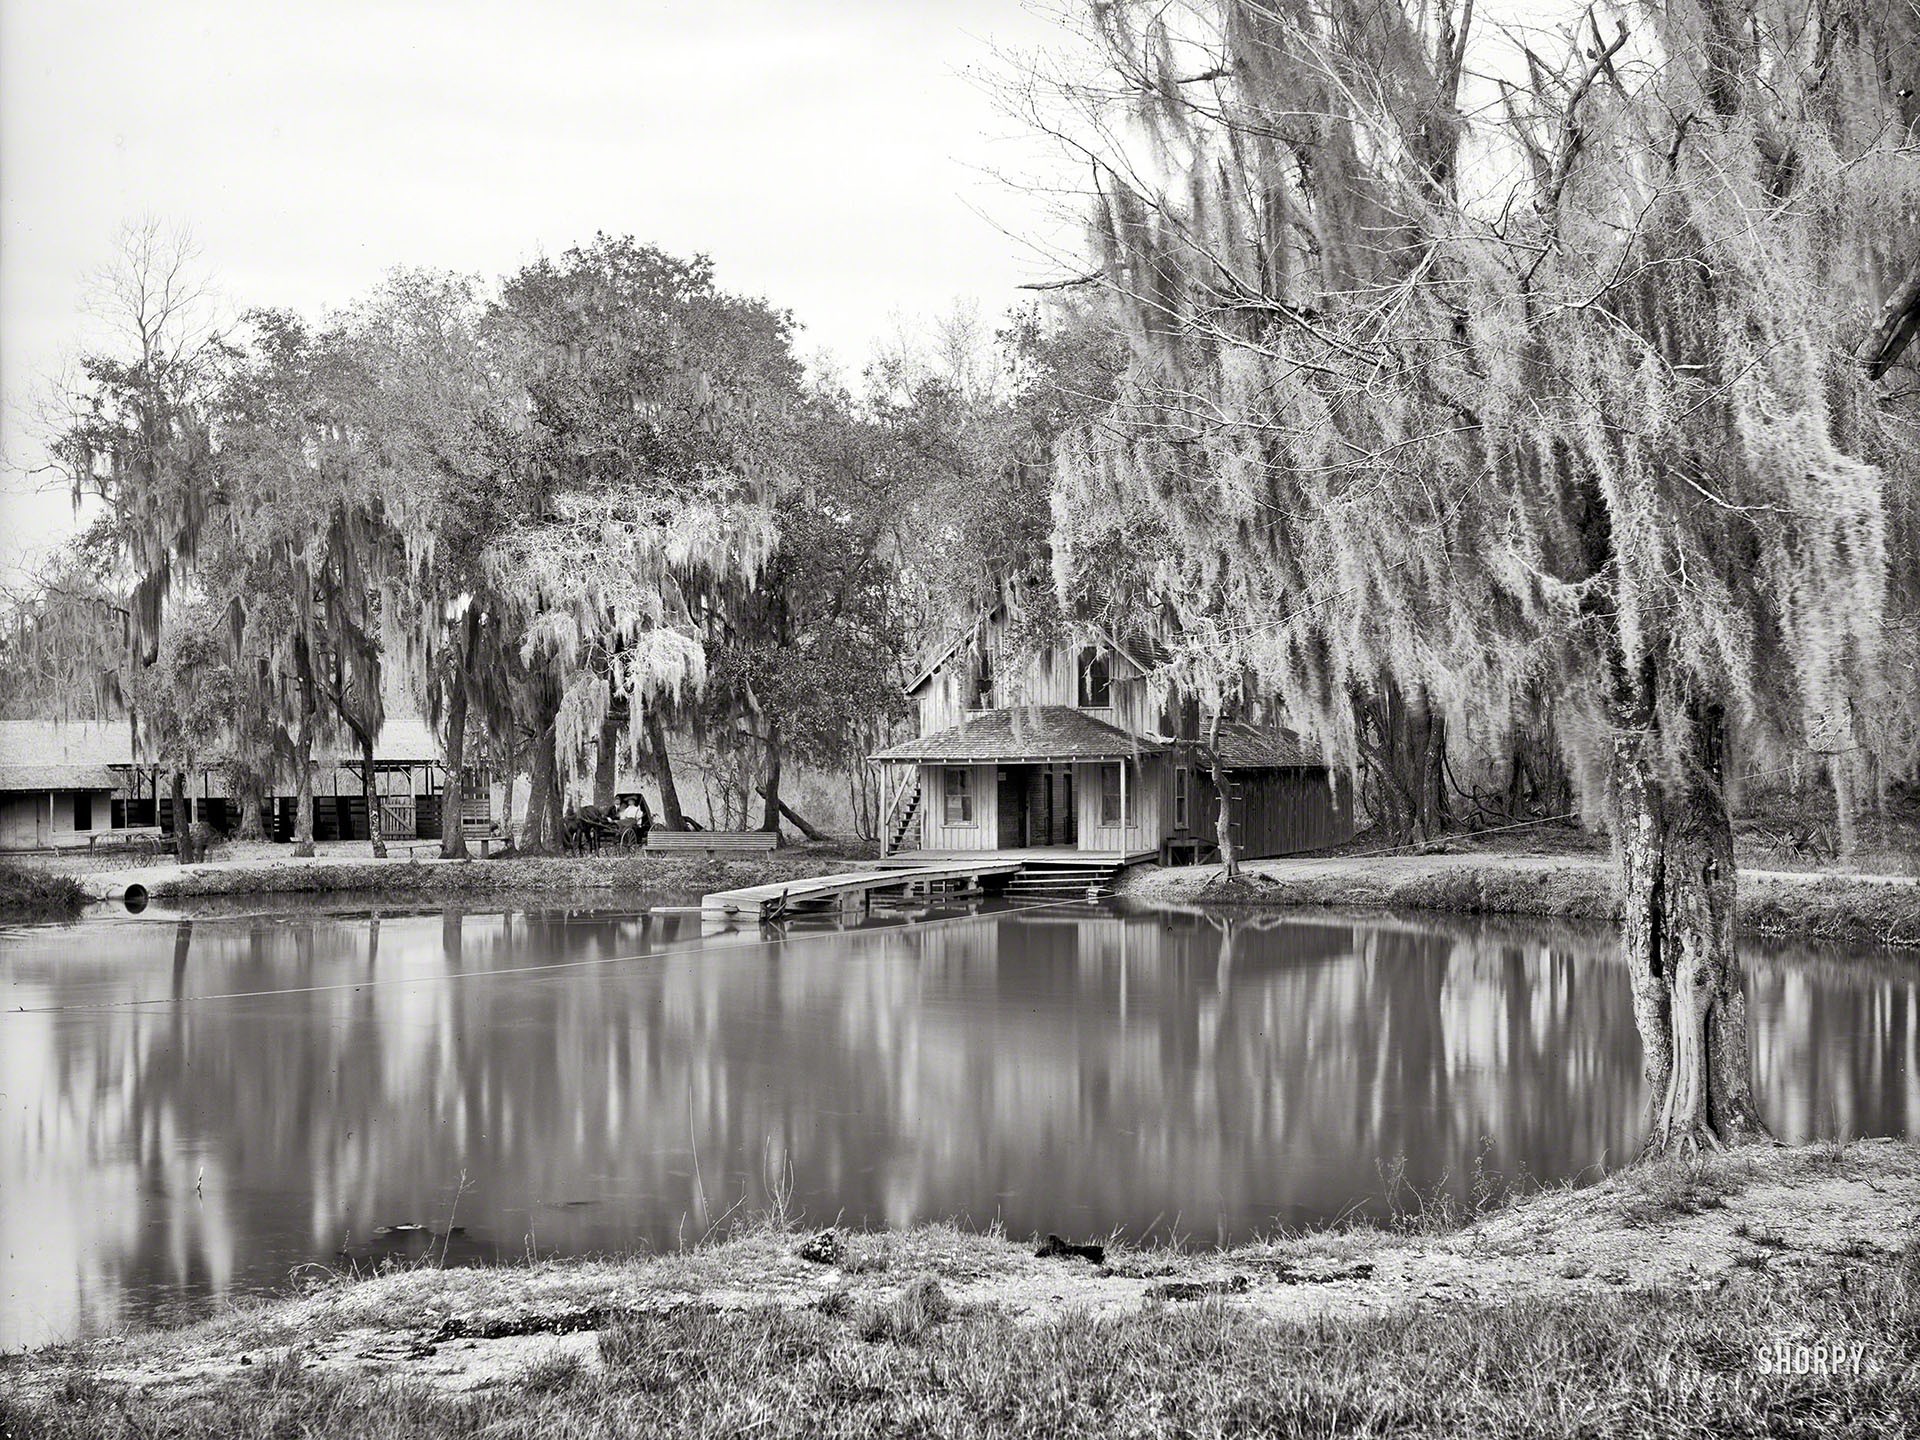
[{"x": 583, "y": 828}]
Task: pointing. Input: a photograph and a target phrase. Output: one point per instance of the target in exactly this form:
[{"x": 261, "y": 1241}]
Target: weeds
[
  {"x": 908, "y": 1316},
  {"x": 1668, "y": 1189},
  {"x": 36, "y": 897}
]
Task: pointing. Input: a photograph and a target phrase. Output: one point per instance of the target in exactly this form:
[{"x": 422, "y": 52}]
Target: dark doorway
[{"x": 1035, "y": 806}]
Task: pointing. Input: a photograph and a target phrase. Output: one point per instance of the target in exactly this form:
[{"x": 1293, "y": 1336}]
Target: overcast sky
[{"x": 832, "y": 155}]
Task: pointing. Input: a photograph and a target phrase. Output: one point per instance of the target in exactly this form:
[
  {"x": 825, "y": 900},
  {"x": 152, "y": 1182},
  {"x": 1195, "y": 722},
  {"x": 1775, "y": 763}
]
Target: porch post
[{"x": 1125, "y": 828}]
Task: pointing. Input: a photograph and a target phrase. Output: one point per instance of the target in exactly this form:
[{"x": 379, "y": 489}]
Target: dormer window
[{"x": 1096, "y": 679}]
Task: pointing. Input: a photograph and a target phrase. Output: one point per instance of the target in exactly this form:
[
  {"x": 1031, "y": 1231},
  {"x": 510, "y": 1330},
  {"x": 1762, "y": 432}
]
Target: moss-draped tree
[{"x": 1592, "y": 408}]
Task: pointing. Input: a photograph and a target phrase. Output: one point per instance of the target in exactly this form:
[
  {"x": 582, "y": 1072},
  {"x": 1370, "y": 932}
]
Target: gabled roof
[
  {"x": 1025, "y": 732},
  {"x": 42, "y": 778},
  {"x": 941, "y": 657}
]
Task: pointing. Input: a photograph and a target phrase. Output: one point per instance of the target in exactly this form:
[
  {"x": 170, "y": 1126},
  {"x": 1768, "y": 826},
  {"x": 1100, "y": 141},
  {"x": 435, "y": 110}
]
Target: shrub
[{"x": 33, "y": 895}]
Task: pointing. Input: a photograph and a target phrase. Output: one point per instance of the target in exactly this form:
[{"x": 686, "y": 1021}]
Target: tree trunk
[
  {"x": 1229, "y": 858},
  {"x": 370, "y": 790},
  {"x": 606, "y": 761},
  {"x": 770, "y": 816},
  {"x": 542, "y": 833},
  {"x": 797, "y": 820},
  {"x": 182, "y": 821},
  {"x": 253, "y": 823},
  {"x": 303, "y": 764},
  {"x": 1675, "y": 840},
  {"x": 1430, "y": 737},
  {"x": 663, "y": 772},
  {"x": 303, "y": 793},
  {"x": 506, "y": 793},
  {"x": 453, "y": 836}
]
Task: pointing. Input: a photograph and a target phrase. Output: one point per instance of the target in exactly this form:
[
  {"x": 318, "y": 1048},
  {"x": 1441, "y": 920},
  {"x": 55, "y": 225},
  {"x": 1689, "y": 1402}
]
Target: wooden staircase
[
  {"x": 1065, "y": 879},
  {"x": 905, "y": 815}
]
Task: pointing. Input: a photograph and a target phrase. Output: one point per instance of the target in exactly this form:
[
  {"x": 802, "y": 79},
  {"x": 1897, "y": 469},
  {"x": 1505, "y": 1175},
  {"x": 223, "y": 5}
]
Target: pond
[{"x": 191, "y": 1109}]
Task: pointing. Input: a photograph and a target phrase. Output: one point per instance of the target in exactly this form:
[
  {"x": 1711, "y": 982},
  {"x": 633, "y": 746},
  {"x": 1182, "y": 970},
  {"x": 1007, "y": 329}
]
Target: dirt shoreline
[
  {"x": 1777, "y": 1224},
  {"x": 1824, "y": 905},
  {"x": 1881, "y": 910}
]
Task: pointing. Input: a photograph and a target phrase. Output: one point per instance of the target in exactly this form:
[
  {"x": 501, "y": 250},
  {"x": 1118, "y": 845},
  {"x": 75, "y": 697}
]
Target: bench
[{"x": 713, "y": 842}]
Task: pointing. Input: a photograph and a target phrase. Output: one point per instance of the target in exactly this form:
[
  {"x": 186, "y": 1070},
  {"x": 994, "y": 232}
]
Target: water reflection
[{"x": 607, "y": 1082}]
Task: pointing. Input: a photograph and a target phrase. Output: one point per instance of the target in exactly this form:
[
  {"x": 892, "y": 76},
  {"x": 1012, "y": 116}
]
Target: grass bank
[
  {"x": 1861, "y": 909},
  {"x": 1767, "y": 1292},
  {"x": 34, "y": 897}
]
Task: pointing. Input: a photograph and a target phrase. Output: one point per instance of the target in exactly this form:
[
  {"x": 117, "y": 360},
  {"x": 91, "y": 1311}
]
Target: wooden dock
[{"x": 765, "y": 902}]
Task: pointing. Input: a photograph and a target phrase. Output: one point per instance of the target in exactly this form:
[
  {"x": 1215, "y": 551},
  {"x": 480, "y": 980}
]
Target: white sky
[{"x": 832, "y": 155}]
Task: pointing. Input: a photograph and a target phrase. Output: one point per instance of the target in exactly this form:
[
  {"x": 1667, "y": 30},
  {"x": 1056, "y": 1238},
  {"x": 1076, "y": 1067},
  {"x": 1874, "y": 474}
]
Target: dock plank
[{"x": 754, "y": 899}]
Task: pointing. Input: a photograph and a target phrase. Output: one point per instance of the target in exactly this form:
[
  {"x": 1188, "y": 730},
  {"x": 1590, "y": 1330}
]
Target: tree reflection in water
[{"x": 1164, "y": 1072}]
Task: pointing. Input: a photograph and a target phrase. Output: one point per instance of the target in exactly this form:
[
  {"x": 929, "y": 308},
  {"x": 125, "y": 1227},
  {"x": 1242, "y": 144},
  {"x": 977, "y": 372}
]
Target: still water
[{"x": 589, "y": 1083}]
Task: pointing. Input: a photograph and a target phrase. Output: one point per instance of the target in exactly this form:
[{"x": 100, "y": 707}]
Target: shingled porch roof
[{"x": 1025, "y": 732}]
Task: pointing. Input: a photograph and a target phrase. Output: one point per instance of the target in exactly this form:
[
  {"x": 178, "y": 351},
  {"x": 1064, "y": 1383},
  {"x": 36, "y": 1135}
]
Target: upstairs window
[
  {"x": 958, "y": 788},
  {"x": 1096, "y": 679}
]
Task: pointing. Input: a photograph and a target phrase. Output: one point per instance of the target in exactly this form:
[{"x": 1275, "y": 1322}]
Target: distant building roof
[
  {"x": 64, "y": 742},
  {"x": 42, "y": 778},
  {"x": 405, "y": 737},
  {"x": 1255, "y": 747},
  {"x": 1026, "y": 732}
]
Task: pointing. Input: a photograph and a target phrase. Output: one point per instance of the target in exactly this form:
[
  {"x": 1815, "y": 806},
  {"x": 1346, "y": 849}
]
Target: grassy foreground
[{"x": 1765, "y": 1294}]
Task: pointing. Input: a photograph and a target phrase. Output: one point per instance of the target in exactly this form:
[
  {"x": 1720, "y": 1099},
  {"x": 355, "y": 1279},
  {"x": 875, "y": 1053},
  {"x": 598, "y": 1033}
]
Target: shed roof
[
  {"x": 42, "y": 778},
  {"x": 1026, "y": 732},
  {"x": 1258, "y": 747}
]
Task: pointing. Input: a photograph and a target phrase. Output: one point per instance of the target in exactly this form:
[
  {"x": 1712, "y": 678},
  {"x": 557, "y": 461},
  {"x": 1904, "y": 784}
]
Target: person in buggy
[{"x": 634, "y": 819}]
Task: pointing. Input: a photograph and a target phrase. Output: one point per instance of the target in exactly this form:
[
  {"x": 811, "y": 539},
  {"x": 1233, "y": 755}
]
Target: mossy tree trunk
[
  {"x": 1675, "y": 840},
  {"x": 542, "y": 833},
  {"x": 453, "y": 838},
  {"x": 606, "y": 760},
  {"x": 1223, "y": 820},
  {"x": 370, "y": 791}
]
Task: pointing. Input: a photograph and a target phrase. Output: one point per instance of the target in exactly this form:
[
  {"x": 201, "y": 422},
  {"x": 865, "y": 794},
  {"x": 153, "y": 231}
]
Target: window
[
  {"x": 83, "y": 811},
  {"x": 1096, "y": 679},
  {"x": 1112, "y": 784},
  {"x": 1180, "y": 797},
  {"x": 959, "y": 792}
]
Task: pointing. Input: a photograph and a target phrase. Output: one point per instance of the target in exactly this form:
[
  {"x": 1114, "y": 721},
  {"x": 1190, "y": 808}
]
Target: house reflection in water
[{"x": 1159, "y": 1072}]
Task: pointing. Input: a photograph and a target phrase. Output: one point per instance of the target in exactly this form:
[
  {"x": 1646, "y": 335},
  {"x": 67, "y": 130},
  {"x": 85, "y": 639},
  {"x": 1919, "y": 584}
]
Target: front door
[
  {"x": 1034, "y": 805},
  {"x": 1013, "y": 786}
]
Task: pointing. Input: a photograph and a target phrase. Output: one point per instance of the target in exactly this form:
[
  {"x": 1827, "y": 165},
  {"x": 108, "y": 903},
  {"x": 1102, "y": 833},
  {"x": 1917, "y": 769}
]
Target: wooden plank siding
[
  {"x": 936, "y": 834},
  {"x": 1050, "y": 677},
  {"x": 1281, "y": 812},
  {"x": 1147, "y": 801}
]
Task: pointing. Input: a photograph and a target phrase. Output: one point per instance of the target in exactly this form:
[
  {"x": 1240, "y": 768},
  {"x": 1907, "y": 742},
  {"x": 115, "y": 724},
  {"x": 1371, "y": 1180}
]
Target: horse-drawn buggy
[{"x": 621, "y": 826}]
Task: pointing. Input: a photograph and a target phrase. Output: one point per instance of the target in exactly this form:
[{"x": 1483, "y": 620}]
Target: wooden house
[
  {"x": 1066, "y": 753},
  {"x": 58, "y": 782}
]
